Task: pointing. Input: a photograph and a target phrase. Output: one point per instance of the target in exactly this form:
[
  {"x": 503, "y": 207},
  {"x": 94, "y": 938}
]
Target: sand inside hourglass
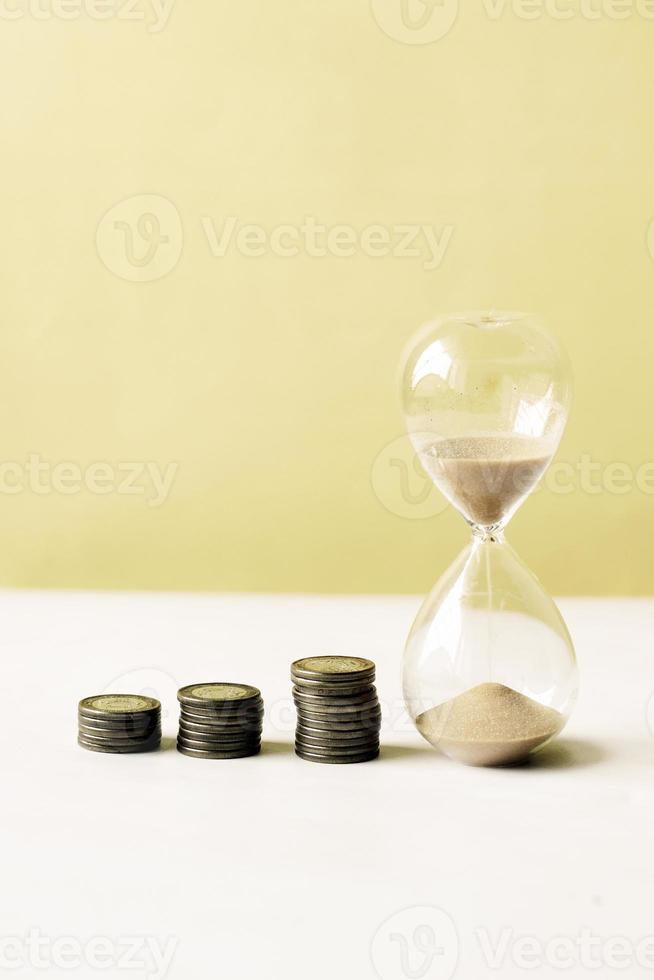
[
  {"x": 489, "y": 725},
  {"x": 486, "y": 476}
]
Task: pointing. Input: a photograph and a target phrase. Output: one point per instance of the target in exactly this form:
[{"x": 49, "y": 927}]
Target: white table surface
[{"x": 272, "y": 867}]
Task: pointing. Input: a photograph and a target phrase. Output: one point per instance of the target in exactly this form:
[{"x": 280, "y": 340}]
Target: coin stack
[
  {"x": 119, "y": 723},
  {"x": 220, "y": 721},
  {"x": 338, "y": 713}
]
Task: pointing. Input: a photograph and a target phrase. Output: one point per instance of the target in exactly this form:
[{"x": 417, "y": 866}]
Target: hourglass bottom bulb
[{"x": 489, "y": 725}]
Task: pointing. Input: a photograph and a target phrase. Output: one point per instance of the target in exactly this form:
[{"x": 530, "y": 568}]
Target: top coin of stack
[
  {"x": 119, "y": 723},
  {"x": 220, "y": 721},
  {"x": 338, "y": 713}
]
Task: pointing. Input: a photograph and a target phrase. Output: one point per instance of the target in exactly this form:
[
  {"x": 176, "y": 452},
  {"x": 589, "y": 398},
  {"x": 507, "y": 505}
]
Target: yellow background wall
[{"x": 525, "y": 143}]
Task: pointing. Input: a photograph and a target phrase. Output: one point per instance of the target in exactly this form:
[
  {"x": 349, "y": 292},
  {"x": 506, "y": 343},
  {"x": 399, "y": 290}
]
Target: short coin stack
[
  {"x": 119, "y": 723},
  {"x": 338, "y": 713},
  {"x": 220, "y": 721}
]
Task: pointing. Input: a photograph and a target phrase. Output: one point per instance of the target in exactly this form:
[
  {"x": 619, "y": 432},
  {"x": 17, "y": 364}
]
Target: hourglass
[{"x": 489, "y": 670}]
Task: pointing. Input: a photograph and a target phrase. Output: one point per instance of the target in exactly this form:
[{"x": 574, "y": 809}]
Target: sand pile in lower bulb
[{"x": 489, "y": 725}]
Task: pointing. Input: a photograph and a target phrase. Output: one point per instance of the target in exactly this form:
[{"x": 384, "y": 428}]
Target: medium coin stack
[
  {"x": 119, "y": 723},
  {"x": 220, "y": 721},
  {"x": 338, "y": 713}
]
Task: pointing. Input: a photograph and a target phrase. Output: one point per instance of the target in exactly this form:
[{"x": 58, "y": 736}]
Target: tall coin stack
[
  {"x": 338, "y": 713},
  {"x": 220, "y": 721},
  {"x": 119, "y": 723}
]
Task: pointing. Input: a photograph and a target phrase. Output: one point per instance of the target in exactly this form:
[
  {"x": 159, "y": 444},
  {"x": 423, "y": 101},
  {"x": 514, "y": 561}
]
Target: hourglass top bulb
[{"x": 486, "y": 398}]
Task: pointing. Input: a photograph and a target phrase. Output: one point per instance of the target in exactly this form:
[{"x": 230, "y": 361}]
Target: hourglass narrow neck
[{"x": 490, "y": 535}]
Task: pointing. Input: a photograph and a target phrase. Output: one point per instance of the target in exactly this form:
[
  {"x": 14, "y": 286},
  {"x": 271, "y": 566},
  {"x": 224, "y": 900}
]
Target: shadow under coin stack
[
  {"x": 338, "y": 713},
  {"x": 220, "y": 721},
  {"x": 119, "y": 723}
]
